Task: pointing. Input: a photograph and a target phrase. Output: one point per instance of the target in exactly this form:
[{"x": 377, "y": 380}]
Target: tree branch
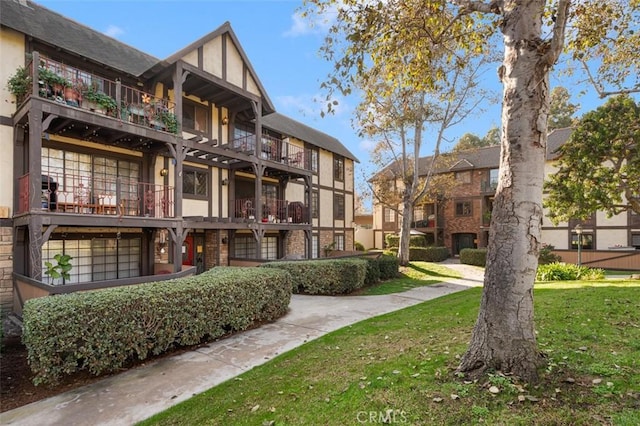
[
  {"x": 479, "y": 6},
  {"x": 557, "y": 41},
  {"x": 600, "y": 89}
]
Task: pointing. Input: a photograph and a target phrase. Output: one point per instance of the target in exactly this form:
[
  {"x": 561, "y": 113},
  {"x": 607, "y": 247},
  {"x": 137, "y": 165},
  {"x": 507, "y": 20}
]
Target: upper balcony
[
  {"x": 488, "y": 186},
  {"x": 275, "y": 150},
  {"x": 75, "y": 88},
  {"x": 273, "y": 211}
]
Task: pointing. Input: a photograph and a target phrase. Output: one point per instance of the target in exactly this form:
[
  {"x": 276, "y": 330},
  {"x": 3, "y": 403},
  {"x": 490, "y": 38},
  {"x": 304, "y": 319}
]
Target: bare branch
[
  {"x": 600, "y": 89},
  {"x": 494, "y": 7},
  {"x": 557, "y": 40}
]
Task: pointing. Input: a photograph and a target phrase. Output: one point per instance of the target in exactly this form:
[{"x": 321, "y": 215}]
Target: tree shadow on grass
[{"x": 431, "y": 273}]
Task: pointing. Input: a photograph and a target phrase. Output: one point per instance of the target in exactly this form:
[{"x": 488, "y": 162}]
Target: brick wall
[
  {"x": 326, "y": 239},
  {"x": 216, "y": 252},
  {"x": 6, "y": 270},
  {"x": 295, "y": 244}
]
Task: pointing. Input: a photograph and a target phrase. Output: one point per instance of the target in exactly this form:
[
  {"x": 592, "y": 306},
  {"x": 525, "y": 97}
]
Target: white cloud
[
  {"x": 367, "y": 145},
  {"x": 313, "y": 24},
  {"x": 312, "y": 105},
  {"x": 114, "y": 31}
]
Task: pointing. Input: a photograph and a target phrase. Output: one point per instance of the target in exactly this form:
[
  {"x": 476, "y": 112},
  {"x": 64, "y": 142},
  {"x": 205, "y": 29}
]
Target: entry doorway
[
  {"x": 463, "y": 241},
  {"x": 193, "y": 252}
]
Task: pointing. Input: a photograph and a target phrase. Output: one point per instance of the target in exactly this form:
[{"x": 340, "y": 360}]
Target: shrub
[
  {"x": 425, "y": 254},
  {"x": 414, "y": 241},
  {"x": 546, "y": 256},
  {"x": 328, "y": 277},
  {"x": 559, "y": 271},
  {"x": 373, "y": 271},
  {"x": 392, "y": 240},
  {"x": 101, "y": 330},
  {"x": 477, "y": 257},
  {"x": 389, "y": 266},
  {"x": 359, "y": 246}
]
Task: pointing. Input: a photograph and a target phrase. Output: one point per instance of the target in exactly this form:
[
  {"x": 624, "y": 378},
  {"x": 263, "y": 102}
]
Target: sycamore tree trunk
[
  {"x": 405, "y": 230},
  {"x": 504, "y": 336}
]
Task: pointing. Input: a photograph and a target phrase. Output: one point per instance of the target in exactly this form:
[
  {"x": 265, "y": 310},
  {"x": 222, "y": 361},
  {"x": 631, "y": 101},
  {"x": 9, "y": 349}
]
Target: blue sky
[{"x": 282, "y": 48}]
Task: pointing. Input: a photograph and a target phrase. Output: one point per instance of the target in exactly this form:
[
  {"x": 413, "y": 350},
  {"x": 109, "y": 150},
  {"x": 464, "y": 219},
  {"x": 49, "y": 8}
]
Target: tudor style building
[
  {"x": 462, "y": 220},
  {"x": 138, "y": 167}
]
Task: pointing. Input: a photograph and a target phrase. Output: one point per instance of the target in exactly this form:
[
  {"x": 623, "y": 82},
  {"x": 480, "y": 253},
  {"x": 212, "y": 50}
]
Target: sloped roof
[
  {"x": 555, "y": 140},
  {"x": 288, "y": 126},
  {"x": 43, "y": 24}
]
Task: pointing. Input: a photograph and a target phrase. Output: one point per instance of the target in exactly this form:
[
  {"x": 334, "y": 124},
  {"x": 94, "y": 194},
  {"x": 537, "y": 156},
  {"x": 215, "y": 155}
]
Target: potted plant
[
  {"x": 19, "y": 84},
  {"x": 52, "y": 84},
  {"x": 170, "y": 121},
  {"x": 99, "y": 101}
]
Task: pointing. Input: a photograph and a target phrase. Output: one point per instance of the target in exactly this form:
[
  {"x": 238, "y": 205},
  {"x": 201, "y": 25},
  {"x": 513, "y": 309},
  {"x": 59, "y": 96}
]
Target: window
[
  {"x": 245, "y": 247},
  {"x": 315, "y": 204},
  {"x": 586, "y": 241},
  {"x": 493, "y": 178},
  {"x": 338, "y": 168},
  {"x": 194, "y": 183},
  {"x": 338, "y": 206},
  {"x": 314, "y": 158},
  {"x": 389, "y": 215},
  {"x": 338, "y": 241},
  {"x": 194, "y": 117},
  {"x": 635, "y": 240},
  {"x": 97, "y": 259},
  {"x": 463, "y": 177},
  {"x": 463, "y": 208},
  {"x": 315, "y": 244}
]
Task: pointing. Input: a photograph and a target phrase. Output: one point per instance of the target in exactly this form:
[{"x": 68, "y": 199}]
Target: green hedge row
[
  {"x": 426, "y": 254},
  {"x": 477, "y": 257},
  {"x": 328, "y": 277},
  {"x": 101, "y": 330},
  {"x": 414, "y": 240}
]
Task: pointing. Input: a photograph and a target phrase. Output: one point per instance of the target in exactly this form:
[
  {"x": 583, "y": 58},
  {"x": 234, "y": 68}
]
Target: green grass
[
  {"x": 623, "y": 273},
  {"x": 400, "y": 367},
  {"x": 417, "y": 274}
]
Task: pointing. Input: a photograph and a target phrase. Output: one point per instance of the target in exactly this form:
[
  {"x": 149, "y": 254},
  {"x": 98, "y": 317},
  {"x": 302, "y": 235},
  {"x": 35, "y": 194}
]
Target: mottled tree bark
[{"x": 504, "y": 336}]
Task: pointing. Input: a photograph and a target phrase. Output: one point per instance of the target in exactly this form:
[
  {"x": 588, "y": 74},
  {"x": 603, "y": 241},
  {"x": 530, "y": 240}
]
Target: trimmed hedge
[
  {"x": 477, "y": 257},
  {"x": 327, "y": 277},
  {"x": 389, "y": 266},
  {"x": 414, "y": 241},
  {"x": 426, "y": 254},
  {"x": 373, "y": 272},
  {"x": 101, "y": 330}
]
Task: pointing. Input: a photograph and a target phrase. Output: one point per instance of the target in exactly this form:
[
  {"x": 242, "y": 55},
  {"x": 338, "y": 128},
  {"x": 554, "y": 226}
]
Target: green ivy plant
[
  {"x": 170, "y": 121},
  {"x": 60, "y": 269}
]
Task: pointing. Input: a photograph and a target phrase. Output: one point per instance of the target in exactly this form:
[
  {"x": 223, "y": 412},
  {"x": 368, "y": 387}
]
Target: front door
[
  {"x": 193, "y": 252},
  {"x": 187, "y": 251},
  {"x": 463, "y": 241}
]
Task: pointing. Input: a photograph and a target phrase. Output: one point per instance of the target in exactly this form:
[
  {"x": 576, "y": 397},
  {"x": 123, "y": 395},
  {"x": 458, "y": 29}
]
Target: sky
[{"x": 282, "y": 47}]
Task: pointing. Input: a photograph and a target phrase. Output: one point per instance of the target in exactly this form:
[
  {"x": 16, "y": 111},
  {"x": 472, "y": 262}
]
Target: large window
[
  {"x": 97, "y": 259},
  {"x": 338, "y": 206},
  {"x": 245, "y": 247},
  {"x": 463, "y": 177},
  {"x": 464, "y": 208},
  {"x": 195, "y": 183},
  {"x": 338, "y": 168},
  {"x": 99, "y": 175},
  {"x": 314, "y": 159},
  {"x": 315, "y": 246},
  {"x": 338, "y": 240},
  {"x": 195, "y": 117}
]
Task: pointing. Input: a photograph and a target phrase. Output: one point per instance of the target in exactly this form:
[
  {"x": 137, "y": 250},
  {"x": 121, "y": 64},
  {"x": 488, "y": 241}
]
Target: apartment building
[
  {"x": 142, "y": 168},
  {"x": 462, "y": 219}
]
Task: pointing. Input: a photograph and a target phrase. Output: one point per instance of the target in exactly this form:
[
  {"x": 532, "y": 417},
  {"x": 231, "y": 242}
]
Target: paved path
[{"x": 141, "y": 392}]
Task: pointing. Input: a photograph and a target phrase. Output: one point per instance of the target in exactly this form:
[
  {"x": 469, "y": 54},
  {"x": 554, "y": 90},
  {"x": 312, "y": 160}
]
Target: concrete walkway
[{"x": 141, "y": 392}]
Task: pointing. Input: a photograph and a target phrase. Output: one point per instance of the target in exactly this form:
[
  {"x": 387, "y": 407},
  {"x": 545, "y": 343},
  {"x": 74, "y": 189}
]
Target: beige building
[{"x": 138, "y": 167}]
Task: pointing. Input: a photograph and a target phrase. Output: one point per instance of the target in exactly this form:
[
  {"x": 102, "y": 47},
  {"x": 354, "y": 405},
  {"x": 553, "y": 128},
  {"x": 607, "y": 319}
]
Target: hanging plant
[{"x": 19, "y": 84}]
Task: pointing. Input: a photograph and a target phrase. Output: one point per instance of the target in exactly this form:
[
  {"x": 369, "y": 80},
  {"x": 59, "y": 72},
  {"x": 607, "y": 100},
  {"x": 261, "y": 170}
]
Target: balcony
[
  {"x": 273, "y": 211},
  {"x": 76, "y": 88},
  {"x": 93, "y": 195},
  {"x": 274, "y": 149}
]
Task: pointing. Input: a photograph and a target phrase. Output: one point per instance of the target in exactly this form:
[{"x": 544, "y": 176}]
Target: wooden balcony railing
[
  {"x": 80, "y": 89},
  {"x": 273, "y": 211},
  {"x": 275, "y": 149},
  {"x": 90, "y": 194}
]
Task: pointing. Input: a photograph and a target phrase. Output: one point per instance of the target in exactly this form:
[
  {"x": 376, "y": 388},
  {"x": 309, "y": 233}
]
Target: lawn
[
  {"x": 417, "y": 274},
  {"x": 399, "y": 368}
]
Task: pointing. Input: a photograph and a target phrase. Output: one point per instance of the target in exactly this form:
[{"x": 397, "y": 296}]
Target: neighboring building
[
  {"x": 136, "y": 166},
  {"x": 462, "y": 219}
]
